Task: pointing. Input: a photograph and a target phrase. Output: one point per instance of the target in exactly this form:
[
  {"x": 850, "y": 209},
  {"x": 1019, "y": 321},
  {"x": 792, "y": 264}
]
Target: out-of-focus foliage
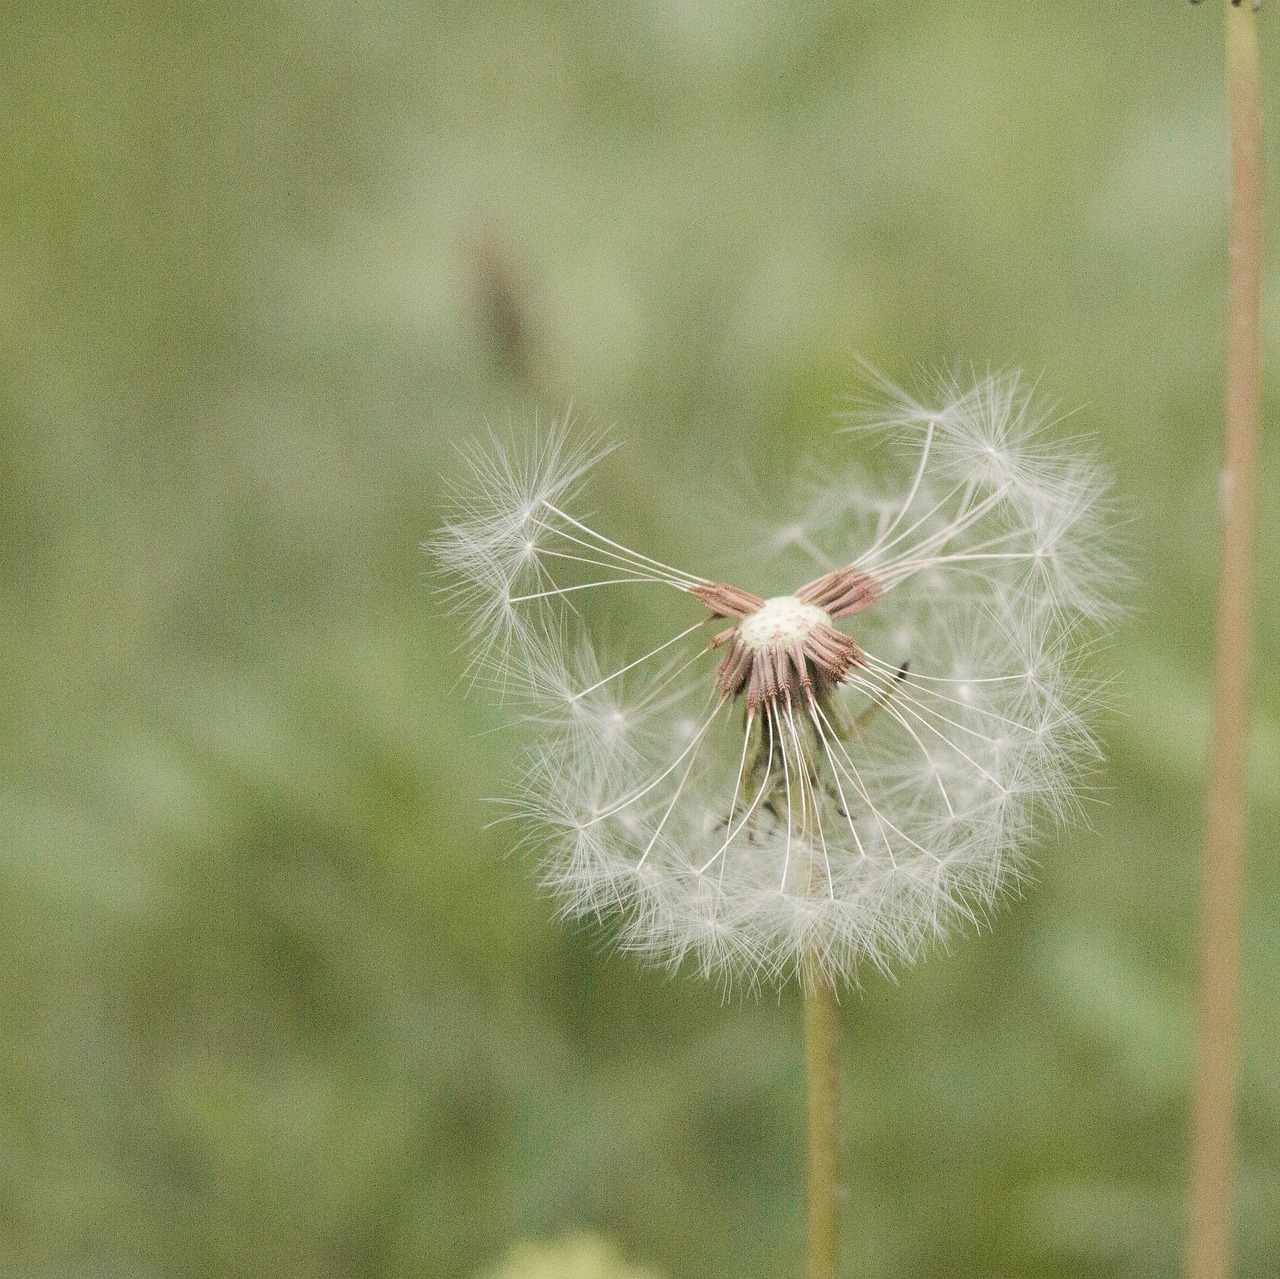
[
  {"x": 578, "y": 1257},
  {"x": 274, "y": 1004}
]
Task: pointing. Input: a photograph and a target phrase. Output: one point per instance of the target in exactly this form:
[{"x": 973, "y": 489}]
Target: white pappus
[{"x": 831, "y": 776}]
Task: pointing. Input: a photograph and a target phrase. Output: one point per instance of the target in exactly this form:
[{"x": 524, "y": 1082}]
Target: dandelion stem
[
  {"x": 822, "y": 1049},
  {"x": 1213, "y": 1142}
]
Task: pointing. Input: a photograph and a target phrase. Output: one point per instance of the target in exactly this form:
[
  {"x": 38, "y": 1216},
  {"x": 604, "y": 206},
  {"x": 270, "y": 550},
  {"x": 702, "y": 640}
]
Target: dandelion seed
[{"x": 807, "y": 782}]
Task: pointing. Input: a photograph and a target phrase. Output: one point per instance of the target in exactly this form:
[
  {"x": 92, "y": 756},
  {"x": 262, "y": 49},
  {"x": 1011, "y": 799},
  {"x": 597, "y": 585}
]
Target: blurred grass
[{"x": 274, "y": 1002}]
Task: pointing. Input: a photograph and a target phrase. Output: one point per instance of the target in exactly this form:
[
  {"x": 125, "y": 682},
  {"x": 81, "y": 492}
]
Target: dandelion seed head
[{"x": 829, "y": 778}]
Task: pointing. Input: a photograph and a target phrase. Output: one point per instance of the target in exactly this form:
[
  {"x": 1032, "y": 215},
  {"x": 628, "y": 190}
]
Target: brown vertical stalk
[
  {"x": 1213, "y": 1124},
  {"x": 822, "y": 1044}
]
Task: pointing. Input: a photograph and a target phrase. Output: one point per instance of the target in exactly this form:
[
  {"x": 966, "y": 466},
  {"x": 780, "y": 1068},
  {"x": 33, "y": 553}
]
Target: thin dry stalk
[
  {"x": 1213, "y": 1125},
  {"x": 822, "y": 1044}
]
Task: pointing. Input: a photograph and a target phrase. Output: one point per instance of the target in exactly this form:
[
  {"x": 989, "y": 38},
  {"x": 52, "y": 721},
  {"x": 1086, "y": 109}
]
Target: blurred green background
[{"x": 274, "y": 1003}]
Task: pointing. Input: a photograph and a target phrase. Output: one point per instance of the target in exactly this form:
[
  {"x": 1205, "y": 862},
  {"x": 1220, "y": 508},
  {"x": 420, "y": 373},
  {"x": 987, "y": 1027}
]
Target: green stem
[
  {"x": 1213, "y": 1143},
  {"x": 822, "y": 1045}
]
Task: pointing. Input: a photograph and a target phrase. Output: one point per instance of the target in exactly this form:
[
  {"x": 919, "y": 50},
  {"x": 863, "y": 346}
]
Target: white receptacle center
[{"x": 781, "y": 622}]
